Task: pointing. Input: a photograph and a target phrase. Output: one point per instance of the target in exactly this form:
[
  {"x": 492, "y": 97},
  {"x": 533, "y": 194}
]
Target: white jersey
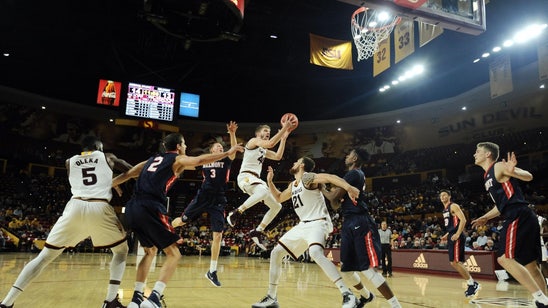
[
  {"x": 90, "y": 176},
  {"x": 309, "y": 204},
  {"x": 253, "y": 161}
]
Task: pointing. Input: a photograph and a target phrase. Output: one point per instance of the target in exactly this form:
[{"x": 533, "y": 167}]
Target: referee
[{"x": 386, "y": 252}]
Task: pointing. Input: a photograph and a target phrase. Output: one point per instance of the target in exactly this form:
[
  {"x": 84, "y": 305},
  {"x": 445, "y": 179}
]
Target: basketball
[{"x": 292, "y": 118}]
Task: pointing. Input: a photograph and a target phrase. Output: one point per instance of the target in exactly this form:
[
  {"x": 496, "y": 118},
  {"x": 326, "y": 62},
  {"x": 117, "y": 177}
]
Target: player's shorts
[
  {"x": 151, "y": 226},
  {"x": 456, "y": 248},
  {"x": 82, "y": 219},
  {"x": 519, "y": 238},
  {"x": 544, "y": 253},
  {"x": 211, "y": 203},
  {"x": 246, "y": 180},
  {"x": 360, "y": 247},
  {"x": 297, "y": 240}
]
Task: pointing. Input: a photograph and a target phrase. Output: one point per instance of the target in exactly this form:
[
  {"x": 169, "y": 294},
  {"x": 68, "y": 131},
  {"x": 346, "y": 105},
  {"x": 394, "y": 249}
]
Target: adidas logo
[
  {"x": 420, "y": 262},
  {"x": 471, "y": 265}
]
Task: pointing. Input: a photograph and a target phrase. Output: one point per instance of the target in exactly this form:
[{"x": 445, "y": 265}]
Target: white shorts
[
  {"x": 83, "y": 219},
  {"x": 297, "y": 240},
  {"x": 246, "y": 180},
  {"x": 544, "y": 253}
]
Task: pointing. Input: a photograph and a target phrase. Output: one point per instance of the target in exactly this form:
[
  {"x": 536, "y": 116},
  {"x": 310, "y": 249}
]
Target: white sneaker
[
  {"x": 349, "y": 300},
  {"x": 266, "y": 302},
  {"x": 149, "y": 304}
]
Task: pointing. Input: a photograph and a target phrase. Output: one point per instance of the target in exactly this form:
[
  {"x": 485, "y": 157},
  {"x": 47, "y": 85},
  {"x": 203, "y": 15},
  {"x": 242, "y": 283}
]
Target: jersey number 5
[{"x": 88, "y": 177}]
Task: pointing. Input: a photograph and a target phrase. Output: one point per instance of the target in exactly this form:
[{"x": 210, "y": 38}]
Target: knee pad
[
  {"x": 376, "y": 279},
  {"x": 316, "y": 251},
  {"x": 351, "y": 277}
]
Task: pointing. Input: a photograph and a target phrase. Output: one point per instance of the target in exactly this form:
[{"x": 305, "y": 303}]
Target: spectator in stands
[
  {"x": 482, "y": 239},
  {"x": 490, "y": 246}
]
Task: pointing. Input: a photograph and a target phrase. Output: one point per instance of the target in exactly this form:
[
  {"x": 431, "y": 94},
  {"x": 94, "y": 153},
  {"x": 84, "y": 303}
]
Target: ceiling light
[
  {"x": 508, "y": 43},
  {"x": 476, "y": 60},
  {"x": 6, "y": 54},
  {"x": 273, "y": 36},
  {"x": 542, "y": 86},
  {"x": 463, "y": 108},
  {"x": 395, "y": 82},
  {"x": 382, "y": 89},
  {"x": 398, "y": 121},
  {"x": 497, "y": 49},
  {"x": 485, "y": 55}
]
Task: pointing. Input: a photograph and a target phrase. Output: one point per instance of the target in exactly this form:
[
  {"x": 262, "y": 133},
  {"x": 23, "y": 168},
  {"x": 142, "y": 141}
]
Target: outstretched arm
[
  {"x": 280, "y": 196},
  {"x": 116, "y": 163},
  {"x": 130, "y": 174},
  {"x": 184, "y": 161},
  {"x": 324, "y": 178},
  {"x": 279, "y": 154},
  {"x": 231, "y": 128}
]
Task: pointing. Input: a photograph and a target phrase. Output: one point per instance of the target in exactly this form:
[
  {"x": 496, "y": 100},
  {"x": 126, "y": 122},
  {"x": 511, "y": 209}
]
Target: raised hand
[
  {"x": 231, "y": 127},
  {"x": 510, "y": 163},
  {"x": 269, "y": 174}
]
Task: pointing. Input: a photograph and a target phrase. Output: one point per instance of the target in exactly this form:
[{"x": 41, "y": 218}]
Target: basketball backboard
[{"x": 467, "y": 16}]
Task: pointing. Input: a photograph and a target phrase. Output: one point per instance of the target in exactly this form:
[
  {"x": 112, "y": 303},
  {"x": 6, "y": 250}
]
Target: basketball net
[{"x": 369, "y": 28}]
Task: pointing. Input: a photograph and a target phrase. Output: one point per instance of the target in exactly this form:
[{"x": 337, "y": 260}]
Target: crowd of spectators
[{"x": 32, "y": 201}]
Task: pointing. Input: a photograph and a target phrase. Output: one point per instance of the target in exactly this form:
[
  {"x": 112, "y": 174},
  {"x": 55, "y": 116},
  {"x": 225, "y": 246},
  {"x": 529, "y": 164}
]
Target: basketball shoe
[
  {"x": 153, "y": 301},
  {"x": 115, "y": 303},
  {"x": 472, "y": 289},
  {"x": 256, "y": 236},
  {"x": 233, "y": 217},
  {"x": 266, "y": 302},
  {"x": 349, "y": 300},
  {"x": 4, "y": 306},
  {"x": 212, "y": 276},
  {"x": 138, "y": 298},
  {"x": 364, "y": 301},
  {"x": 540, "y": 305}
]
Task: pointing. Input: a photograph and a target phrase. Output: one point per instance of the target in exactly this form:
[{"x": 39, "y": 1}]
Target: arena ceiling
[{"x": 60, "y": 50}]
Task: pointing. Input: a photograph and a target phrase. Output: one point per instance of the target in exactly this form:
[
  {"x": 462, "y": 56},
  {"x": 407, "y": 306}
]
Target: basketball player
[
  {"x": 543, "y": 224},
  {"x": 146, "y": 211},
  {"x": 360, "y": 240},
  {"x": 519, "y": 247},
  {"x": 249, "y": 178},
  {"x": 211, "y": 199},
  {"x": 455, "y": 221},
  {"x": 311, "y": 232},
  {"x": 87, "y": 214}
]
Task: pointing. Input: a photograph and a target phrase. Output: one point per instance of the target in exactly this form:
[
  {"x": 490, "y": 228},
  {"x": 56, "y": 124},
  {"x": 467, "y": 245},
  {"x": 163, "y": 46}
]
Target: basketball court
[{"x": 80, "y": 280}]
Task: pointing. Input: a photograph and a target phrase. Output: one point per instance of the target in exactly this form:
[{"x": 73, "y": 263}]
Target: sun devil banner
[{"x": 330, "y": 52}]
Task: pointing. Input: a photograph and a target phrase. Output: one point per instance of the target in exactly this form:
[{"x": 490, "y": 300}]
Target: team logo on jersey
[
  {"x": 420, "y": 262},
  {"x": 472, "y": 266}
]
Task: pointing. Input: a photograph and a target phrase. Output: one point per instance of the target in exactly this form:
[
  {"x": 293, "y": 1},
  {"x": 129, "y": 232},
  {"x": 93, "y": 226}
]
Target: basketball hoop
[{"x": 369, "y": 28}]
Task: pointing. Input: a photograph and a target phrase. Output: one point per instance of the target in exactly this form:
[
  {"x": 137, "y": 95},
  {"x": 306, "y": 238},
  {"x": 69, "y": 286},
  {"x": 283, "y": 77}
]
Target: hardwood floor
[{"x": 80, "y": 280}]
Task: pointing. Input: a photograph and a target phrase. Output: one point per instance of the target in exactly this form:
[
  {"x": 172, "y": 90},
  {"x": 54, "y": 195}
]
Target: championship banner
[
  {"x": 330, "y": 52},
  {"x": 543, "y": 61},
  {"x": 428, "y": 32},
  {"x": 381, "y": 59},
  {"x": 404, "y": 39},
  {"x": 500, "y": 76}
]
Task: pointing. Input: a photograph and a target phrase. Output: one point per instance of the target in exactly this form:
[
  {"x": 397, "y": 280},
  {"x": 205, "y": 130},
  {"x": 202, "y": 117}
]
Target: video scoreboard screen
[{"x": 150, "y": 102}]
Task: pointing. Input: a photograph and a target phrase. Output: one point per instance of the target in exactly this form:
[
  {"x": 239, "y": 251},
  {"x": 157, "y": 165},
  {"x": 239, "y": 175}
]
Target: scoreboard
[{"x": 150, "y": 102}]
